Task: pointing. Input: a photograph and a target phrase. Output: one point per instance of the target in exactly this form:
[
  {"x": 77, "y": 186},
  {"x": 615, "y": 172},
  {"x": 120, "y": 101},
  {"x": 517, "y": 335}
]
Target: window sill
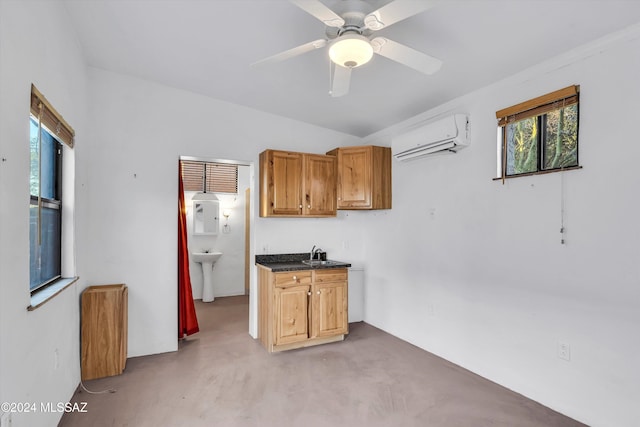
[
  {"x": 543, "y": 172},
  {"x": 41, "y": 297}
]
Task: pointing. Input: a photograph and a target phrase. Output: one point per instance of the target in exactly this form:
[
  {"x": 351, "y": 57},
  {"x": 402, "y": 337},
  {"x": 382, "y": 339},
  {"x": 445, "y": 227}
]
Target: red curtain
[{"x": 187, "y": 320}]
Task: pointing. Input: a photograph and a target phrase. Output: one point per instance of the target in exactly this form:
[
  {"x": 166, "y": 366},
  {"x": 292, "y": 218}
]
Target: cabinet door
[
  {"x": 319, "y": 185},
  {"x": 354, "y": 177},
  {"x": 330, "y": 313},
  {"x": 291, "y": 314},
  {"x": 281, "y": 183}
]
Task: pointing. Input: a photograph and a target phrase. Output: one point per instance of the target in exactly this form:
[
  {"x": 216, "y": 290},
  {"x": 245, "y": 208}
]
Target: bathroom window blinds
[{"x": 209, "y": 177}]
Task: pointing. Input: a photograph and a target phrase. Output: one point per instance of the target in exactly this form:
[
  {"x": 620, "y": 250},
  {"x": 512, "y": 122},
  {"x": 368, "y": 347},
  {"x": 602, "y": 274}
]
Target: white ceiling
[{"x": 207, "y": 46}]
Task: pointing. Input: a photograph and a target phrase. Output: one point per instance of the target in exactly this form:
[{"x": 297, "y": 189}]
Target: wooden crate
[{"x": 104, "y": 331}]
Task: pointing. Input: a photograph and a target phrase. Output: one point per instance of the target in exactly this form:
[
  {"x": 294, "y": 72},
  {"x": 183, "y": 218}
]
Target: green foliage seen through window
[{"x": 531, "y": 150}]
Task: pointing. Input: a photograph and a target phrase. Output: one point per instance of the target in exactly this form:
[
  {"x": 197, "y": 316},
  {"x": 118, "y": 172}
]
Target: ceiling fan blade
[
  {"x": 307, "y": 47},
  {"x": 341, "y": 80},
  {"x": 396, "y": 11},
  {"x": 405, "y": 55},
  {"x": 320, "y": 11}
]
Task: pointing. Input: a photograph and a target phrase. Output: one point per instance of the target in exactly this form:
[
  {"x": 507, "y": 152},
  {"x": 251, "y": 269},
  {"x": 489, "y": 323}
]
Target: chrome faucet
[{"x": 314, "y": 252}]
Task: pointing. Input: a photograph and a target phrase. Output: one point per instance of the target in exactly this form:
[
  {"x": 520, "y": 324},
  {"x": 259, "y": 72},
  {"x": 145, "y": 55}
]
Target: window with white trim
[{"x": 48, "y": 132}]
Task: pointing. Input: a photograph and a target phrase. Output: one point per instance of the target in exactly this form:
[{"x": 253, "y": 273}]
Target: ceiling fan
[{"x": 349, "y": 33}]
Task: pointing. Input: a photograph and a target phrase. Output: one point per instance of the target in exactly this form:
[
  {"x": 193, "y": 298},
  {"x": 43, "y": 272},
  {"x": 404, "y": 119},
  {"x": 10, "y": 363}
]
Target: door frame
[{"x": 249, "y": 238}]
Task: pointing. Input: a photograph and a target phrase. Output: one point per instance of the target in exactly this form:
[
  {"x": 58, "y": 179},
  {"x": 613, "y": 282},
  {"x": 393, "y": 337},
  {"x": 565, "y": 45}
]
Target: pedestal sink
[{"x": 207, "y": 260}]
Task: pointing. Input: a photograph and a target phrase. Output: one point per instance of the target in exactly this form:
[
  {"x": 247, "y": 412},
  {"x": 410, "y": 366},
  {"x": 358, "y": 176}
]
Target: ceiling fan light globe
[{"x": 351, "y": 50}]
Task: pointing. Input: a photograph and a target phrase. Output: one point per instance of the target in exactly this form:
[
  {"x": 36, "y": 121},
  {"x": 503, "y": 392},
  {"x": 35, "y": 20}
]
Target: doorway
[{"x": 233, "y": 230}]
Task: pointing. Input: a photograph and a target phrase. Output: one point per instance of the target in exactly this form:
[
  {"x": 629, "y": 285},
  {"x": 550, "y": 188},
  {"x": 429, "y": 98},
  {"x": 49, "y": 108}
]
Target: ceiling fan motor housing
[{"x": 351, "y": 47}]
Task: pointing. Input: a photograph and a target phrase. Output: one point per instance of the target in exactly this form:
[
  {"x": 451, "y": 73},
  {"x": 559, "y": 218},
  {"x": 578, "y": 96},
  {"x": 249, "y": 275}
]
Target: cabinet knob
[
  {"x": 318, "y": 292},
  {"x": 309, "y": 293},
  {"x": 295, "y": 277},
  {"x": 308, "y": 206},
  {"x": 300, "y": 206}
]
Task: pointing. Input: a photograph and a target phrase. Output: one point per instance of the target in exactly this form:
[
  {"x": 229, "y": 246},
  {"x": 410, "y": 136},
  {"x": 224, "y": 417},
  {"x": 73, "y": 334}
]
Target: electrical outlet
[
  {"x": 430, "y": 310},
  {"x": 564, "y": 351}
]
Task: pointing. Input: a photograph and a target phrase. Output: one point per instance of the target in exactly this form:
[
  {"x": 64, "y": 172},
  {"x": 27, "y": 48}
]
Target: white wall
[
  {"x": 445, "y": 268},
  {"x": 39, "y": 350},
  {"x": 473, "y": 270},
  {"x": 228, "y": 272},
  {"x": 141, "y": 129}
]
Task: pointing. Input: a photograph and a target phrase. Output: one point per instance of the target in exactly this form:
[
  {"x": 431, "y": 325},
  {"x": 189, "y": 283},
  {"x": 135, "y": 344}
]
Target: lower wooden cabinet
[
  {"x": 330, "y": 309},
  {"x": 103, "y": 331},
  {"x": 302, "y": 308},
  {"x": 291, "y": 313}
]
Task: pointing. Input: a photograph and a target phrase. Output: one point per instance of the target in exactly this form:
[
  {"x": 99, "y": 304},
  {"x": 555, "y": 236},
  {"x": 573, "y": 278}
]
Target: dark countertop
[{"x": 293, "y": 262}]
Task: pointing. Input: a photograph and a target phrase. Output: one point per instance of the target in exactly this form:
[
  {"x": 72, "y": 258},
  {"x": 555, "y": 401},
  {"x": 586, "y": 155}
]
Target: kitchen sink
[{"x": 316, "y": 262}]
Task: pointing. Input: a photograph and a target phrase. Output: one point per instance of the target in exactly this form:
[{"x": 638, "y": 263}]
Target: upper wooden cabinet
[
  {"x": 280, "y": 183},
  {"x": 364, "y": 177},
  {"x": 297, "y": 184},
  {"x": 319, "y": 185}
]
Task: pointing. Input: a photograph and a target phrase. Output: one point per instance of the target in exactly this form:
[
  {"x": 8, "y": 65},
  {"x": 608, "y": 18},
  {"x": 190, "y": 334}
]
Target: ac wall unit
[{"x": 447, "y": 135}]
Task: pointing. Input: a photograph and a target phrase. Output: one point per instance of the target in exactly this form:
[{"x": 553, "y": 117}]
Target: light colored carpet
[{"x": 222, "y": 377}]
